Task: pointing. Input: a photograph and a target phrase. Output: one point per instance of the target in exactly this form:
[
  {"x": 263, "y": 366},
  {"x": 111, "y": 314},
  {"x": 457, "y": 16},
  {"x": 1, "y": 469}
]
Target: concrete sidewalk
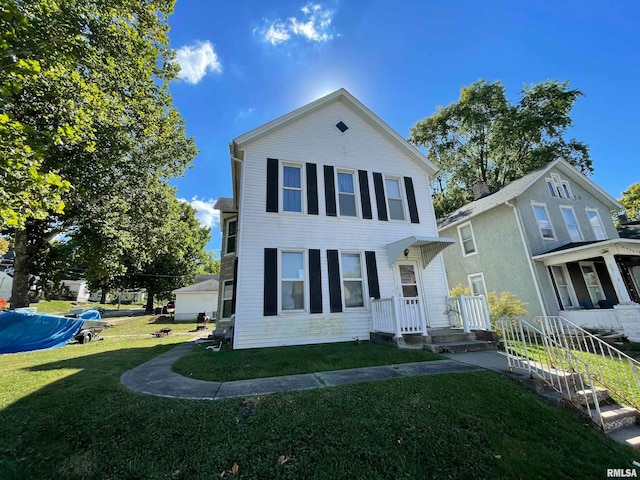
[{"x": 155, "y": 377}]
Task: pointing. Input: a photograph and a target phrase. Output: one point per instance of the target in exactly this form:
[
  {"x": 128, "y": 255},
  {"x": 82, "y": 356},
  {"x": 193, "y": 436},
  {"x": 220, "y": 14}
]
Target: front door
[{"x": 408, "y": 278}]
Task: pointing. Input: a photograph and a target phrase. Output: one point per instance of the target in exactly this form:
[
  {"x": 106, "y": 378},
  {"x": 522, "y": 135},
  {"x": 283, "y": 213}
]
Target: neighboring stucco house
[
  {"x": 228, "y": 263},
  {"x": 201, "y": 297},
  {"x": 549, "y": 239},
  {"x": 334, "y": 214}
]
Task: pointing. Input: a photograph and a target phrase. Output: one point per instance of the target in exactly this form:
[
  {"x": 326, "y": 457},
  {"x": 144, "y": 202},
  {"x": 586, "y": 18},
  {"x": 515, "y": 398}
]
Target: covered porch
[{"x": 596, "y": 284}]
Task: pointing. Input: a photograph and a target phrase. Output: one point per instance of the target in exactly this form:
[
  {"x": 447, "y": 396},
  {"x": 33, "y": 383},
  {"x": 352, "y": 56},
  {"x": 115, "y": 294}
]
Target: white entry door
[{"x": 410, "y": 283}]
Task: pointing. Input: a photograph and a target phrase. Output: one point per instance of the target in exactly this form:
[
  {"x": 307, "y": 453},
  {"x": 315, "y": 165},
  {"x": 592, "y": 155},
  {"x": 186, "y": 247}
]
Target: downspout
[{"x": 526, "y": 254}]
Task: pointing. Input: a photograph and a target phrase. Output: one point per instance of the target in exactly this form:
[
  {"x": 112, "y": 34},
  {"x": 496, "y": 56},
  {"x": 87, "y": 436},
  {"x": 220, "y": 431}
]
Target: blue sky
[{"x": 245, "y": 63}]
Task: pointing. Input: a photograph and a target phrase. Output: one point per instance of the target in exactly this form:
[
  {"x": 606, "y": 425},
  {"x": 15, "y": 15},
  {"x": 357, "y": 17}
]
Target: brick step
[
  {"x": 461, "y": 347},
  {"x": 615, "y": 417}
]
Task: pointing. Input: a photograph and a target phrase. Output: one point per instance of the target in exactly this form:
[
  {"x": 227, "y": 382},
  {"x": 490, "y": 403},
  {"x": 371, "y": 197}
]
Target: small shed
[
  {"x": 77, "y": 290},
  {"x": 202, "y": 296}
]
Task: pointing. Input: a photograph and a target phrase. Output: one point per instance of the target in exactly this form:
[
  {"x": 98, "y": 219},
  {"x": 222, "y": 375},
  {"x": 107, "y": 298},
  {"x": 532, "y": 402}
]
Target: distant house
[
  {"x": 549, "y": 238},
  {"x": 331, "y": 233},
  {"x": 202, "y": 296},
  {"x": 6, "y": 285},
  {"x": 76, "y": 290}
]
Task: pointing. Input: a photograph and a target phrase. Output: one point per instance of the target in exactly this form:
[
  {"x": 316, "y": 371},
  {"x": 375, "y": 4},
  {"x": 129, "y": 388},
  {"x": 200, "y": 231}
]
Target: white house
[
  {"x": 78, "y": 290},
  {"x": 202, "y": 296},
  {"x": 334, "y": 220}
]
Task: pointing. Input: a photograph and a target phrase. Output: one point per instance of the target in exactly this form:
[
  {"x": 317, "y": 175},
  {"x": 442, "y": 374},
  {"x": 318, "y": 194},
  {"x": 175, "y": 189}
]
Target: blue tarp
[{"x": 23, "y": 331}]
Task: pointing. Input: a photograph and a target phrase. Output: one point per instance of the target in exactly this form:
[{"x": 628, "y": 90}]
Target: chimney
[
  {"x": 623, "y": 219},
  {"x": 480, "y": 189}
]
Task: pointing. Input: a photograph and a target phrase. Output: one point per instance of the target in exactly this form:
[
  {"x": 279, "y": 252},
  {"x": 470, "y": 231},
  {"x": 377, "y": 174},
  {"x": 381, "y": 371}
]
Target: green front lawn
[
  {"x": 230, "y": 364},
  {"x": 64, "y": 414},
  {"x": 62, "y": 307}
]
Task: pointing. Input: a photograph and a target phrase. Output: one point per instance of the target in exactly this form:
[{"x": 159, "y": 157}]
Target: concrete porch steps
[
  {"x": 441, "y": 340},
  {"x": 461, "y": 347}
]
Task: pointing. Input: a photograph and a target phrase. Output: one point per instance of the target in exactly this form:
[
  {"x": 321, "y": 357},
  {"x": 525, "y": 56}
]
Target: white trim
[
  {"x": 566, "y": 190},
  {"x": 403, "y": 197},
  {"x": 575, "y": 218},
  {"x": 356, "y": 190},
  {"x": 365, "y": 287},
  {"x": 473, "y": 239},
  {"x": 304, "y": 280},
  {"x": 222, "y": 300},
  {"x": 551, "y": 186},
  {"x": 226, "y": 236},
  {"x": 546, "y": 212},
  {"x": 597, "y": 212},
  {"x": 281, "y": 187},
  {"x": 599, "y": 283},
  {"x": 484, "y": 285},
  {"x": 570, "y": 288}
]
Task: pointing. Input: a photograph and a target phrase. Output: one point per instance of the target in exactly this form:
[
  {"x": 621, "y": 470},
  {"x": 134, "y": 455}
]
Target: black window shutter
[
  {"x": 235, "y": 286},
  {"x": 380, "y": 200},
  {"x": 312, "y": 189},
  {"x": 272, "y": 185},
  {"x": 335, "y": 294},
  {"x": 411, "y": 198},
  {"x": 365, "y": 198},
  {"x": 330, "y": 190},
  {"x": 270, "y": 281},
  {"x": 315, "y": 282},
  {"x": 372, "y": 274}
]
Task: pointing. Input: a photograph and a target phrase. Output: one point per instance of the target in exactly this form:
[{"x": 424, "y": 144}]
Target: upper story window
[
  {"x": 476, "y": 282},
  {"x": 347, "y": 194},
  {"x": 544, "y": 224},
  {"x": 352, "y": 279},
  {"x": 596, "y": 224},
  {"x": 232, "y": 232},
  {"x": 572, "y": 224},
  {"x": 291, "y": 188},
  {"x": 467, "y": 240},
  {"x": 292, "y": 279},
  {"x": 395, "y": 201},
  {"x": 558, "y": 188}
]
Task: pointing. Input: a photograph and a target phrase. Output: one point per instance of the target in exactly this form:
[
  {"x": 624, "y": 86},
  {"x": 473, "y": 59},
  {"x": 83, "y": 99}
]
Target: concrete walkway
[{"x": 155, "y": 377}]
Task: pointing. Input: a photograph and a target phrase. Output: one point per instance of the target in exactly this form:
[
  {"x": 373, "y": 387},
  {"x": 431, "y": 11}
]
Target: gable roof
[
  {"x": 200, "y": 287},
  {"x": 225, "y": 204},
  {"x": 350, "y": 101},
  {"x": 519, "y": 186}
]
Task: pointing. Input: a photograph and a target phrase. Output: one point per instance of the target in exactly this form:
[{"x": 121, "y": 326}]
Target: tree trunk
[
  {"x": 20, "y": 289},
  {"x": 149, "y": 307},
  {"x": 103, "y": 296}
]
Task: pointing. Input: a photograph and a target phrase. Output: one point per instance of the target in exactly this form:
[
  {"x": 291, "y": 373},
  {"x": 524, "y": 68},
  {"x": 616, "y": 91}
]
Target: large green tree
[
  {"x": 94, "y": 111},
  {"x": 484, "y": 137},
  {"x": 631, "y": 201}
]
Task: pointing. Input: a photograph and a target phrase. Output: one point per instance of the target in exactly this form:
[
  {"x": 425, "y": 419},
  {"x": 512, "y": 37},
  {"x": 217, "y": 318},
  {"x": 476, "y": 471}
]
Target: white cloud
[
  {"x": 244, "y": 113},
  {"x": 196, "y": 60},
  {"x": 205, "y": 213},
  {"x": 314, "y": 26}
]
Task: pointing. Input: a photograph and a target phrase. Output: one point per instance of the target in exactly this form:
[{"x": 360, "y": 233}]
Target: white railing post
[
  {"x": 396, "y": 316},
  {"x": 423, "y": 318},
  {"x": 464, "y": 314},
  {"x": 485, "y": 312}
]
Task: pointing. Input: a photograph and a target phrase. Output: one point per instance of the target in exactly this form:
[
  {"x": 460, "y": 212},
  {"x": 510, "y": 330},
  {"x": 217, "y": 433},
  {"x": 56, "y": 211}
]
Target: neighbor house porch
[{"x": 596, "y": 284}]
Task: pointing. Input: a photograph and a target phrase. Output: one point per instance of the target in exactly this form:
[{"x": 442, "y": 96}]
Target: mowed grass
[
  {"x": 228, "y": 364},
  {"x": 62, "y": 307},
  {"x": 64, "y": 414}
]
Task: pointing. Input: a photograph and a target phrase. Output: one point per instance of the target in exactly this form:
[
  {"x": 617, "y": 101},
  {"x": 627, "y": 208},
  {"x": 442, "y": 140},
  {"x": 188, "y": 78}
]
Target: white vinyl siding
[
  {"x": 395, "y": 200},
  {"x": 544, "y": 223},
  {"x": 467, "y": 240},
  {"x": 596, "y": 224},
  {"x": 347, "y": 200},
  {"x": 571, "y": 222},
  {"x": 292, "y": 192},
  {"x": 352, "y": 279},
  {"x": 476, "y": 283},
  {"x": 292, "y": 280}
]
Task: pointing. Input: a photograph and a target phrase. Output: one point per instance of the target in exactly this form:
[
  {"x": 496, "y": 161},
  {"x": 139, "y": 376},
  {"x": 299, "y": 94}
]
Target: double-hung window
[
  {"x": 227, "y": 298},
  {"x": 596, "y": 224},
  {"x": 563, "y": 286},
  {"x": 572, "y": 224},
  {"x": 544, "y": 224},
  {"x": 347, "y": 194},
  {"x": 476, "y": 282},
  {"x": 232, "y": 231},
  {"x": 291, "y": 188},
  {"x": 352, "y": 279},
  {"x": 467, "y": 240},
  {"x": 395, "y": 200},
  {"x": 292, "y": 280}
]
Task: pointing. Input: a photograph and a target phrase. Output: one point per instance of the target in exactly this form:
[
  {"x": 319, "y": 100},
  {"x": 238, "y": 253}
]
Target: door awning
[{"x": 429, "y": 247}]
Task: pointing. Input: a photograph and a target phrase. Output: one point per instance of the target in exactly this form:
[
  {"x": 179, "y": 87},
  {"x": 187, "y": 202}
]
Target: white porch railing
[
  {"x": 469, "y": 312},
  {"x": 398, "y": 315},
  {"x": 606, "y": 318}
]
